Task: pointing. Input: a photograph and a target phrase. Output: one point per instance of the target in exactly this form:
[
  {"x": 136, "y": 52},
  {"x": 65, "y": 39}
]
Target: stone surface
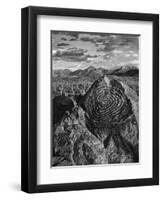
[{"x": 112, "y": 136}]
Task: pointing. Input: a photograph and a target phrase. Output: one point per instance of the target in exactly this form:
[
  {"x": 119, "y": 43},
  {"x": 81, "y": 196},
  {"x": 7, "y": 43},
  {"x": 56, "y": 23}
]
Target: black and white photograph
[
  {"x": 94, "y": 98},
  {"x": 89, "y": 99}
]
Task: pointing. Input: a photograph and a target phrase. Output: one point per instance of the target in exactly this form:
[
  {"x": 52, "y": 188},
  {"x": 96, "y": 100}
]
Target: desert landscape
[{"x": 95, "y": 108}]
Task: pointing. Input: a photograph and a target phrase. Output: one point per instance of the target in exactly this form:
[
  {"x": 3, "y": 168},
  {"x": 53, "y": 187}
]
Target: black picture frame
[{"x": 29, "y": 99}]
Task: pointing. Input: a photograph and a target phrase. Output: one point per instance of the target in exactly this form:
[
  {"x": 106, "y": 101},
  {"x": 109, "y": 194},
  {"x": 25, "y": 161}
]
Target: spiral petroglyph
[
  {"x": 107, "y": 111},
  {"x": 106, "y": 103}
]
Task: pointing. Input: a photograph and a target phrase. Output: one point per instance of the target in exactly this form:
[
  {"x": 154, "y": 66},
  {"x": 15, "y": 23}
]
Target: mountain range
[{"x": 93, "y": 73}]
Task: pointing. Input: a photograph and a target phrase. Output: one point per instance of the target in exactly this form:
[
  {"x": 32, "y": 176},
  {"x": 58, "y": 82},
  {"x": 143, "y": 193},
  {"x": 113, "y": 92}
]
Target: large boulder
[
  {"x": 101, "y": 128},
  {"x": 61, "y": 104},
  {"x": 74, "y": 144}
]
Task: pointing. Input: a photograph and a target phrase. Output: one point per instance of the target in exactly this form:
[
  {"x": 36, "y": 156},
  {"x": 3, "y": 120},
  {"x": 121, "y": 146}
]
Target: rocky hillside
[{"x": 100, "y": 127}]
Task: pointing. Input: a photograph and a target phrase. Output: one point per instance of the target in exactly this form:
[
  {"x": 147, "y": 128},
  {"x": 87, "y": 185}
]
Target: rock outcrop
[
  {"x": 74, "y": 144},
  {"x": 102, "y": 128},
  {"x": 61, "y": 104}
]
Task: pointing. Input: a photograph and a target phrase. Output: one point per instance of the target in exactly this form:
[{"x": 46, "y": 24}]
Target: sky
[{"x": 79, "y": 50}]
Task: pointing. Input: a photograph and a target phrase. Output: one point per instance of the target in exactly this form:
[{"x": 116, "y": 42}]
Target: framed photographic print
[{"x": 90, "y": 99}]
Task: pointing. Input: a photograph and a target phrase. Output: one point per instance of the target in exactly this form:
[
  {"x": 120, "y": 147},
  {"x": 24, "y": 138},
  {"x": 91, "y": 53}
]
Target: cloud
[
  {"x": 107, "y": 48},
  {"x": 135, "y": 55},
  {"x": 134, "y": 62},
  {"x": 91, "y": 57},
  {"x": 99, "y": 49},
  {"x": 62, "y": 44},
  {"x": 97, "y": 39},
  {"x": 85, "y": 39},
  {"x": 107, "y": 56},
  {"x": 73, "y": 39},
  {"x": 120, "y": 42},
  {"x": 116, "y": 51},
  {"x": 71, "y": 54},
  {"x": 108, "y": 42},
  {"x": 63, "y": 38},
  {"x": 127, "y": 55}
]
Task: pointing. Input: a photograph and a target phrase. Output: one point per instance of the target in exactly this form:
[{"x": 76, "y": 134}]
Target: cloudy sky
[{"x": 74, "y": 50}]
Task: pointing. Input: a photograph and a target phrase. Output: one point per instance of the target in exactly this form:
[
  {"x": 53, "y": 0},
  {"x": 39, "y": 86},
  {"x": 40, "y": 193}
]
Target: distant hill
[
  {"x": 76, "y": 72},
  {"x": 90, "y": 72},
  {"x": 125, "y": 71},
  {"x": 94, "y": 73},
  {"x": 61, "y": 73}
]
